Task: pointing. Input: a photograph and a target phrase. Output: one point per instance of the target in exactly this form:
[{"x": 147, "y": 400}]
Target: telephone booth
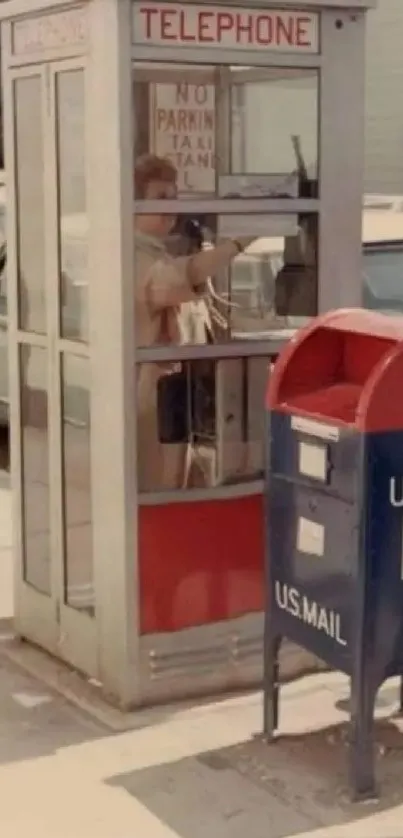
[{"x": 144, "y": 311}]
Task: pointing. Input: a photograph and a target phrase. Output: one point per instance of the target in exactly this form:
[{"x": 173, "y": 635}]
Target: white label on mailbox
[
  {"x": 313, "y": 428},
  {"x": 312, "y": 461},
  {"x": 310, "y": 537},
  {"x": 223, "y": 27}
]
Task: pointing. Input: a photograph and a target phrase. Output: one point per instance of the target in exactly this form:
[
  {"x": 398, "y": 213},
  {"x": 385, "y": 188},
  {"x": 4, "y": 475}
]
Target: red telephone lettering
[
  {"x": 285, "y": 31},
  {"x": 225, "y": 22},
  {"x": 242, "y": 27},
  {"x": 264, "y": 30},
  {"x": 204, "y": 26},
  {"x": 166, "y": 24},
  {"x": 302, "y": 38},
  {"x": 183, "y": 35},
  {"x": 147, "y": 12},
  {"x": 208, "y": 27}
]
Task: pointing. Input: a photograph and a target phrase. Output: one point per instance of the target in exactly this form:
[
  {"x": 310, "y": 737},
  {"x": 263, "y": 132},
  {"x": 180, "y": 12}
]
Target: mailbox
[{"x": 334, "y": 502}]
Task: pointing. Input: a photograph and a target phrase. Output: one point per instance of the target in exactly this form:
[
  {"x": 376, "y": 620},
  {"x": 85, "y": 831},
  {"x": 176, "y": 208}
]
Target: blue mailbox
[{"x": 335, "y": 500}]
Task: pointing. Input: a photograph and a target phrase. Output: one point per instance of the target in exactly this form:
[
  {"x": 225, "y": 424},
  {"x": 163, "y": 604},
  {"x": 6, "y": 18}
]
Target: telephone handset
[
  {"x": 296, "y": 282},
  {"x": 308, "y": 187}
]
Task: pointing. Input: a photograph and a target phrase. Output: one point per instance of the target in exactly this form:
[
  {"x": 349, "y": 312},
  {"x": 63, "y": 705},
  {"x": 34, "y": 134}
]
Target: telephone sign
[{"x": 174, "y": 24}]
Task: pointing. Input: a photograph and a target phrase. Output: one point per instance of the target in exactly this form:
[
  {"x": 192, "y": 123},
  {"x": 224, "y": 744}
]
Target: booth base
[
  {"x": 202, "y": 599},
  {"x": 220, "y": 660}
]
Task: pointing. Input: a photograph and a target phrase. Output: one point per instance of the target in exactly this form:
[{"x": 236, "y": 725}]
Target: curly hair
[{"x": 150, "y": 167}]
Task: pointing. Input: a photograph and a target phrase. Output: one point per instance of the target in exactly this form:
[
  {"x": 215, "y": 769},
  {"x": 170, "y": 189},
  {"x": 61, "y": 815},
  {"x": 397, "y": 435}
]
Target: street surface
[{"x": 74, "y": 769}]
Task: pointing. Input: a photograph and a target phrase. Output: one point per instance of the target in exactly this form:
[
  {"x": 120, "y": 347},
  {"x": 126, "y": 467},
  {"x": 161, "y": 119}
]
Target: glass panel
[
  {"x": 200, "y": 424},
  {"x": 35, "y": 467},
  {"x": 3, "y": 281},
  {"x": 274, "y": 124},
  {"x": 189, "y": 291},
  {"x": 216, "y": 122},
  {"x": 3, "y": 373},
  {"x": 383, "y": 278},
  {"x": 3, "y": 321},
  {"x": 29, "y": 163},
  {"x": 78, "y": 554},
  {"x": 3, "y": 249},
  {"x": 73, "y": 219}
]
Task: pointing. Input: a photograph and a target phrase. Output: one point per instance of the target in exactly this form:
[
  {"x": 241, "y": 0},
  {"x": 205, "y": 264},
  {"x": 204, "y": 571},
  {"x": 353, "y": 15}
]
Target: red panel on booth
[{"x": 200, "y": 562}]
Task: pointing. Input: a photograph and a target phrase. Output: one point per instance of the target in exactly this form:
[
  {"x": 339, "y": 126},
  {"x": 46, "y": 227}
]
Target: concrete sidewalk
[
  {"x": 197, "y": 771},
  {"x": 193, "y": 772}
]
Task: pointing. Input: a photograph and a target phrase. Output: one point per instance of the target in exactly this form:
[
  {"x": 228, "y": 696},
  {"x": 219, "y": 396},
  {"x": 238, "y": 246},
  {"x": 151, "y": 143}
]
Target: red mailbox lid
[
  {"x": 361, "y": 321},
  {"x": 346, "y": 367}
]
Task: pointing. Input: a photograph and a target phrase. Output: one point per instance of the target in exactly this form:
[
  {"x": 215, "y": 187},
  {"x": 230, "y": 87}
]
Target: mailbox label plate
[
  {"x": 310, "y": 538},
  {"x": 313, "y": 461},
  {"x": 311, "y": 427}
]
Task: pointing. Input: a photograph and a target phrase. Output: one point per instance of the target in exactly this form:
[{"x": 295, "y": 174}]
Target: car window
[
  {"x": 243, "y": 274},
  {"x": 383, "y": 278}
]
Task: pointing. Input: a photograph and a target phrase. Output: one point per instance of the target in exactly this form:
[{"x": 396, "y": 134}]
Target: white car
[
  {"x": 254, "y": 274},
  {"x": 382, "y": 286},
  {"x": 252, "y": 282}
]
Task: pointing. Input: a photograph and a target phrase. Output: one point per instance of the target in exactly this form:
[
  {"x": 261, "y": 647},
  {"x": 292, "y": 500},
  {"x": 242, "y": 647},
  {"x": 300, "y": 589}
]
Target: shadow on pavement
[
  {"x": 267, "y": 791},
  {"x": 35, "y": 722}
]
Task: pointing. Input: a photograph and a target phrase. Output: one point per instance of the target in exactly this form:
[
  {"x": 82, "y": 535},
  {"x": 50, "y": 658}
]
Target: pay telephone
[
  {"x": 218, "y": 408},
  {"x": 296, "y": 283}
]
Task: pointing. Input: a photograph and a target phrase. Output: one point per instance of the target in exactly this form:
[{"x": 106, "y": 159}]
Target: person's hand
[{"x": 244, "y": 241}]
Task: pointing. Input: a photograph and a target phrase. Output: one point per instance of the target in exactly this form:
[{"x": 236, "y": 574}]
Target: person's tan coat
[{"x": 162, "y": 285}]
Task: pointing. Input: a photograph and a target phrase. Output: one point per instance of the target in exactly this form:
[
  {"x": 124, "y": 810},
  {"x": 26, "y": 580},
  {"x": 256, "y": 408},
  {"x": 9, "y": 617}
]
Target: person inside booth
[{"x": 163, "y": 284}]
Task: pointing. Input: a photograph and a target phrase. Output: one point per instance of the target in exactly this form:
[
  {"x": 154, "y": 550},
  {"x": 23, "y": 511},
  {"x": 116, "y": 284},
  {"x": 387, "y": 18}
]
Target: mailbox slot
[{"x": 329, "y": 372}]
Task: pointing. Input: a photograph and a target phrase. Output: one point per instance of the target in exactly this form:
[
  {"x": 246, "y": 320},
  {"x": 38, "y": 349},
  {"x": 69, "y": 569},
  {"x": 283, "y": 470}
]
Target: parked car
[
  {"x": 254, "y": 274},
  {"x": 382, "y": 288},
  {"x": 252, "y": 285}
]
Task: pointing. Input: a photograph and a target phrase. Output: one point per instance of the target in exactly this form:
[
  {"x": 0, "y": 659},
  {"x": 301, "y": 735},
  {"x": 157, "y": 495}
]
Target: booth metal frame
[{"x": 109, "y": 646}]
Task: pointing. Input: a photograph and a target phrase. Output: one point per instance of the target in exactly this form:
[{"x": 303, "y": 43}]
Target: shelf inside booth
[{"x": 326, "y": 374}]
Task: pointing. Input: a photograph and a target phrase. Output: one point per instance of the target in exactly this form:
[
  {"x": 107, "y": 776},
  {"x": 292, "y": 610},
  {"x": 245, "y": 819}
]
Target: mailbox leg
[
  {"x": 362, "y": 774},
  {"x": 271, "y": 687}
]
